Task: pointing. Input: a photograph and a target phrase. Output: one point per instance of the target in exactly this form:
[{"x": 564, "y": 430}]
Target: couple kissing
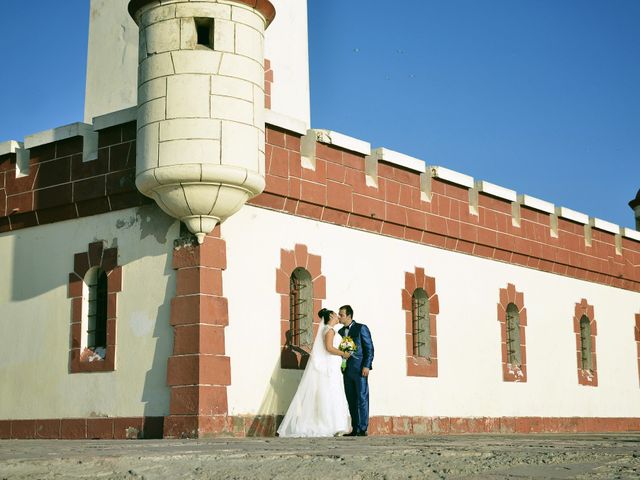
[{"x": 333, "y": 395}]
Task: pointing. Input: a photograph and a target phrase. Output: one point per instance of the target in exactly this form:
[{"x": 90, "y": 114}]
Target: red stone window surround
[
  {"x": 587, "y": 374},
  {"x": 292, "y": 356},
  {"x": 421, "y": 366},
  {"x": 513, "y": 321},
  {"x": 82, "y": 359},
  {"x": 637, "y": 337}
]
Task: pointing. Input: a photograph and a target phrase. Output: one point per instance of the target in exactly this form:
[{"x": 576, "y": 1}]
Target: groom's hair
[{"x": 348, "y": 310}]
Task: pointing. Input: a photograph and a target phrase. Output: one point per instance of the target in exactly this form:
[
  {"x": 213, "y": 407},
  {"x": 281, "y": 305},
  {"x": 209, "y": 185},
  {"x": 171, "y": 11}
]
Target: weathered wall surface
[{"x": 35, "y": 317}]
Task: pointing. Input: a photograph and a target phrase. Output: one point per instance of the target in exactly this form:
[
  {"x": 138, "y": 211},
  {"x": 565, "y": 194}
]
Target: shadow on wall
[
  {"x": 276, "y": 400},
  {"x": 34, "y": 248},
  {"x": 156, "y": 392}
]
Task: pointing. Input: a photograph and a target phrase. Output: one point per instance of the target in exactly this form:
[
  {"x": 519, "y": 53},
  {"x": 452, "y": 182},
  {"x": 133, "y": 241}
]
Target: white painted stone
[
  {"x": 189, "y": 151},
  {"x": 9, "y": 146},
  {"x": 115, "y": 118},
  {"x": 56, "y": 134},
  {"x": 157, "y": 14},
  {"x": 400, "y": 159},
  {"x": 224, "y": 35},
  {"x": 202, "y": 9},
  {"x": 261, "y": 141},
  {"x": 229, "y": 108},
  {"x": 232, "y": 87},
  {"x": 188, "y": 34},
  {"x": 247, "y": 16},
  {"x": 496, "y": 191},
  {"x": 572, "y": 215},
  {"x": 152, "y": 111},
  {"x": 152, "y": 89},
  {"x": 249, "y": 42},
  {"x": 343, "y": 141},
  {"x": 163, "y": 36},
  {"x": 196, "y": 61},
  {"x": 142, "y": 46},
  {"x": 242, "y": 67},
  {"x": 452, "y": 176},
  {"x": 187, "y": 172},
  {"x": 258, "y": 108},
  {"x": 285, "y": 122},
  {"x": 186, "y": 128},
  {"x": 240, "y": 145},
  {"x": 536, "y": 203},
  {"x": 156, "y": 66},
  {"x": 604, "y": 225},
  {"x": 188, "y": 96},
  {"x": 631, "y": 233},
  {"x": 147, "y": 147}
]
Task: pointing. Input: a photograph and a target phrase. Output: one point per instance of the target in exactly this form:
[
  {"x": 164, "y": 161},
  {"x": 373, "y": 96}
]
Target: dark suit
[{"x": 356, "y": 387}]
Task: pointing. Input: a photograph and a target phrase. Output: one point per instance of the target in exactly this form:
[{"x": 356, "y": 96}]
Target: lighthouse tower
[{"x": 200, "y": 147}]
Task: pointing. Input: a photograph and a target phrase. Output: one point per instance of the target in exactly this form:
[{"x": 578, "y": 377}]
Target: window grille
[
  {"x": 513, "y": 334},
  {"x": 421, "y": 328},
  {"x": 96, "y": 317},
  {"x": 301, "y": 308},
  {"x": 585, "y": 342}
]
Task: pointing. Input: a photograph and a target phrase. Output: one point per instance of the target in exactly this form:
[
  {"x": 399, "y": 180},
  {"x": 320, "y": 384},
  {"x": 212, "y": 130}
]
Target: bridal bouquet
[{"x": 347, "y": 345}]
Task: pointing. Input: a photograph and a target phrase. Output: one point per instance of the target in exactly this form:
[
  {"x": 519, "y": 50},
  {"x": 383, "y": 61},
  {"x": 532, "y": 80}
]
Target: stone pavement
[{"x": 614, "y": 456}]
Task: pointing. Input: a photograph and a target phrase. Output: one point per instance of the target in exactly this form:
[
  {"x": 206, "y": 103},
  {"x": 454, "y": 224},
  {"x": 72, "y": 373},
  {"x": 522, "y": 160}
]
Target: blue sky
[{"x": 540, "y": 96}]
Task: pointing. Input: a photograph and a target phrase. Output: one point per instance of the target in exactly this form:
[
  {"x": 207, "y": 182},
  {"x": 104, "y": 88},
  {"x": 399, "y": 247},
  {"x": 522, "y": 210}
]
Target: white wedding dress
[{"x": 319, "y": 407}]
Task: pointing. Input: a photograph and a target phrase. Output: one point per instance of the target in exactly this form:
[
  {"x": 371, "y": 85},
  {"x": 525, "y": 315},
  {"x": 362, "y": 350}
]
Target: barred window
[
  {"x": 301, "y": 308},
  {"x": 585, "y": 342},
  {"x": 94, "y": 309},
  {"x": 513, "y": 335},
  {"x": 420, "y": 323}
]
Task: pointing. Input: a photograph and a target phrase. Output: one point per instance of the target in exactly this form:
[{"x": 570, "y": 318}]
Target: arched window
[
  {"x": 420, "y": 323},
  {"x": 513, "y": 334},
  {"x": 301, "y": 308},
  {"x": 585, "y": 342},
  {"x": 94, "y": 311}
]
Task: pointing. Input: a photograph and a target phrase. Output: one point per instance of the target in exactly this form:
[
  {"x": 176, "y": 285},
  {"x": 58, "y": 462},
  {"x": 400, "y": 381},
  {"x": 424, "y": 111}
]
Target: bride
[{"x": 319, "y": 407}]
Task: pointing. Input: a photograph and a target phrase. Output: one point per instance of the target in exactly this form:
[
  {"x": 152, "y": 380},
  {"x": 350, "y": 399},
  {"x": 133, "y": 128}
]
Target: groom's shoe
[
  {"x": 353, "y": 433},
  {"x": 361, "y": 434}
]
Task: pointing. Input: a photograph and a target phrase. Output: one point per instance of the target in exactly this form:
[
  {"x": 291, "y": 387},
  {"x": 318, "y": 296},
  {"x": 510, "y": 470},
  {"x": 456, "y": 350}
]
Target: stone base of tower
[{"x": 198, "y": 372}]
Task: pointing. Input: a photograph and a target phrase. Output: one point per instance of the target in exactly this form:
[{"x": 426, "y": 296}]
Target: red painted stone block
[
  {"x": 73, "y": 428},
  {"x": 23, "y": 429},
  {"x": 5, "y": 429},
  {"x": 47, "y": 428}
]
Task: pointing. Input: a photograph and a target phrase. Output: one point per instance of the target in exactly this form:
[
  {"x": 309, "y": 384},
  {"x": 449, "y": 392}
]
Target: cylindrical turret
[
  {"x": 200, "y": 145},
  {"x": 635, "y": 205}
]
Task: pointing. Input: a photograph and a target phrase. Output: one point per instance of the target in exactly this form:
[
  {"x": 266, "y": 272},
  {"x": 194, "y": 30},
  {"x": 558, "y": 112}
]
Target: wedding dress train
[{"x": 319, "y": 407}]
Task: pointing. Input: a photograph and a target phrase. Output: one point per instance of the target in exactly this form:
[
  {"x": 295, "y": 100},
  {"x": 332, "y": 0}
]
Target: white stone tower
[{"x": 200, "y": 145}]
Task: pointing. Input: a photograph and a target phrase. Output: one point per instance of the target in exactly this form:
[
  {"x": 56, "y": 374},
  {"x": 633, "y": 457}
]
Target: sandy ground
[{"x": 455, "y": 456}]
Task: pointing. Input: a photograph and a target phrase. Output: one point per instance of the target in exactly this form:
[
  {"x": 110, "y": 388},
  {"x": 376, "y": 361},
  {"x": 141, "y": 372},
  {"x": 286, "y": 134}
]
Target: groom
[{"x": 355, "y": 376}]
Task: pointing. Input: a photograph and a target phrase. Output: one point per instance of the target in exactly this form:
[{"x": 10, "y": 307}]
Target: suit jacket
[{"x": 363, "y": 356}]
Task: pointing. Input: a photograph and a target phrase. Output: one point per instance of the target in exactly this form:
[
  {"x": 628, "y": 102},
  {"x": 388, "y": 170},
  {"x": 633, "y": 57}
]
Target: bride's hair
[{"x": 325, "y": 315}]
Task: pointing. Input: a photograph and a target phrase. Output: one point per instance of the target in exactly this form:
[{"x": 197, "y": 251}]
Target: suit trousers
[{"x": 356, "y": 388}]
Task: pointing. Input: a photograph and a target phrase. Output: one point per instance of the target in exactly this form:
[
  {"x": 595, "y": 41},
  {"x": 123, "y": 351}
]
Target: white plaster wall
[
  {"x": 112, "y": 59},
  {"x": 367, "y": 271},
  {"x": 287, "y": 46},
  {"x": 35, "y": 318}
]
